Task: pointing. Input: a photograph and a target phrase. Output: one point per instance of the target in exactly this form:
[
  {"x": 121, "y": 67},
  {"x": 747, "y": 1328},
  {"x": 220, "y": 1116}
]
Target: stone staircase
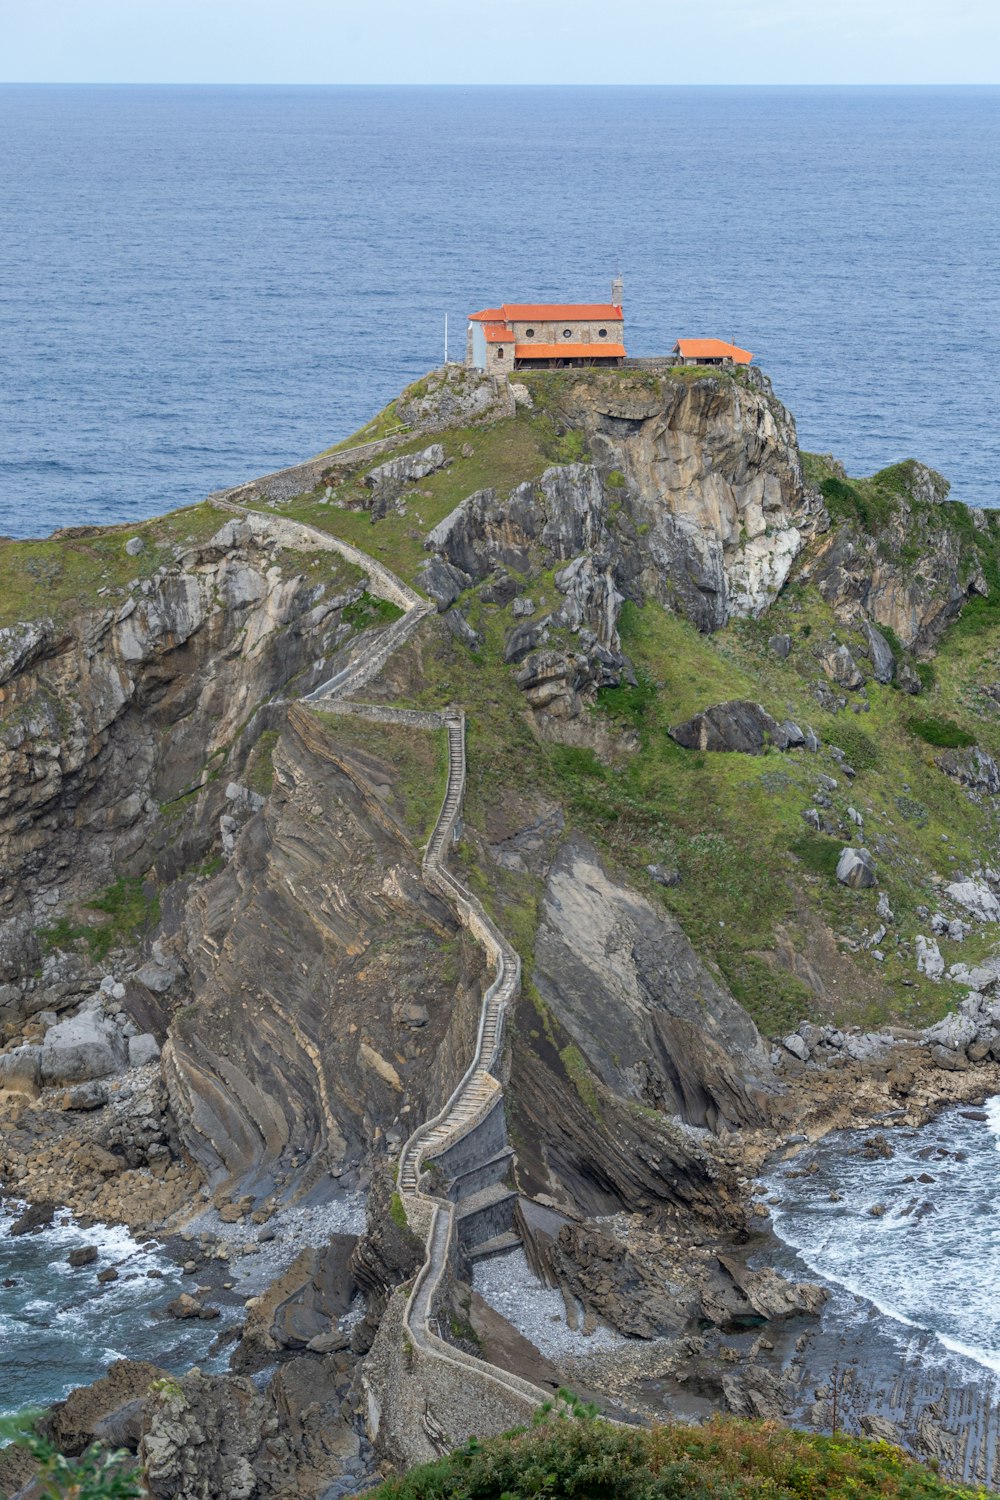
[{"x": 464, "y": 1145}]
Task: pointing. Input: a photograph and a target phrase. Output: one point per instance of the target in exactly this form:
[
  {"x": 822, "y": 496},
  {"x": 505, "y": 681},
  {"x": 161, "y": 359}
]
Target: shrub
[
  {"x": 942, "y": 733},
  {"x": 861, "y": 751},
  {"x": 818, "y": 854},
  {"x": 578, "y": 1458}
]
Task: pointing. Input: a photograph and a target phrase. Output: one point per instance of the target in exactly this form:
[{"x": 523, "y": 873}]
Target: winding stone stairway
[{"x": 441, "y": 1394}]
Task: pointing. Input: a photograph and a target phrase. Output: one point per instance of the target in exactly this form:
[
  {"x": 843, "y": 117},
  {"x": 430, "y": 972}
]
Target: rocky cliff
[{"x": 697, "y": 675}]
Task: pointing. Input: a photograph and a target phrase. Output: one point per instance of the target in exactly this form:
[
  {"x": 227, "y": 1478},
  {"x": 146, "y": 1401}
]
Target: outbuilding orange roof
[
  {"x": 488, "y": 315},
  {"x": 497, "y": 333},
  {"x": 712, "y": 349},
  {"x": 596, "y": 350}
]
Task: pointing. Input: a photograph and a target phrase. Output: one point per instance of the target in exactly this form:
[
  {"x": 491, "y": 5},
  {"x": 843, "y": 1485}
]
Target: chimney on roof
[{"x": 617, "y": 291}]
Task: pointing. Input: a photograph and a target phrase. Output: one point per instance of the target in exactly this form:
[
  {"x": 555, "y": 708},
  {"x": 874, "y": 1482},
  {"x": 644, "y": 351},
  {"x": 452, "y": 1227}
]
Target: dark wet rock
[
  {"x": 739, "y": 726},
  {"x": 84, "y": 1256},
  {"x": 36, "y": 1216}
]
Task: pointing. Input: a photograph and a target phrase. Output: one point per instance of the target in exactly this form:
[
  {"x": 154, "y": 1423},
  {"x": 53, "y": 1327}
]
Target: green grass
[
  {"x": 818, "y": 854},
  {"x": 368, "y": 611},
  {"x": 415, "y": 761},
  {"x": 58, "y": 576},
  {"x": 587, "y": 1459},
  {"x": 259, "y": 775},
  {"x": 397, "y": 1212},
  {"x": 126, "y": 910},
  {"x": 502, "y": 455}
]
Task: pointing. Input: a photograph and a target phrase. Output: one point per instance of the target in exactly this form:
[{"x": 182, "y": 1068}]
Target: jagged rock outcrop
[
  {"x": 108, "y": 717},
  {"x": 453, "y": 396},
  {"x": 736, "y": 726},
  {"x": 912, "y": 572}
]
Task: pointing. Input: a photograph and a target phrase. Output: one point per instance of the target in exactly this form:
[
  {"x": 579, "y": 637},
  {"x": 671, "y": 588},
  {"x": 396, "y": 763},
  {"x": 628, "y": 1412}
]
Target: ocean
[{"x": 202, "y": 284}]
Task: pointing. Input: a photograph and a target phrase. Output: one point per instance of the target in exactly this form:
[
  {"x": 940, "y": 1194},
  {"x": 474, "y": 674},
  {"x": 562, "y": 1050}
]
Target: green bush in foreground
[
  {"x": 943, "y": 733},
  {"x": 725, "y": 1460},
  {"x": 95, "y": 1475}
]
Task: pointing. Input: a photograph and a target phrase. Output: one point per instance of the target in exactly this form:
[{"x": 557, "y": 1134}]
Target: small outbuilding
[{"x": 710, "y": 352}]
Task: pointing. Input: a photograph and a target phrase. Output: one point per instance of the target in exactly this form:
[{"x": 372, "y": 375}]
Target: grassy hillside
[{"x": 725, "y": 1460}]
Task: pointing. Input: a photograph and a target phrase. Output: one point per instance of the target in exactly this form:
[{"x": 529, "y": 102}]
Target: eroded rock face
[
  {"x": 913, "y": 576},
  {"x": 713, "y": 487},
  {"x": 104, "y": 720},
  {"x": 651, "y": 1021},
  {"x": 736, "y": 726},
  {"x": 305, "y": 954}
]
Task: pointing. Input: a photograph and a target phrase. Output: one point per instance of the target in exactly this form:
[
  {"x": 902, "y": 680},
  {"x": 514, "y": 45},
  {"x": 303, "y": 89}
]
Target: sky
[{"x": 513, "y": 42}]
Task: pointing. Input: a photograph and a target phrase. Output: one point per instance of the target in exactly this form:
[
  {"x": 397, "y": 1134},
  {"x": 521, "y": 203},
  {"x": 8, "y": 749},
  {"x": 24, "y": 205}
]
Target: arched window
[
  {"x": 500, "y": 352},
  {"x": 567, "y": 333},
  {"x": 529, "y": 333},
  {"x": 602, "y": 333}
]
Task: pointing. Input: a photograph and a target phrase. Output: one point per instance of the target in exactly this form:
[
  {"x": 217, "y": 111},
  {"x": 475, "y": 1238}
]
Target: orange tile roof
[
  {"x": 497, "y": 333},
  {"x": 601, "y": 312},
  {"x": 488, "y": 315},
  {"x": 712, "y": 349},
  {"x": 596, "y": 350}
]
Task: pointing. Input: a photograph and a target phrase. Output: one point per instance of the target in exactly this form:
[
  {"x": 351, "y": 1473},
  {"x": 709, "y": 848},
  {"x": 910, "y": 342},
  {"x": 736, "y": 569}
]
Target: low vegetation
[
  {"x": 122, "y": 913},
  {"x": 724, "y": 1460}
]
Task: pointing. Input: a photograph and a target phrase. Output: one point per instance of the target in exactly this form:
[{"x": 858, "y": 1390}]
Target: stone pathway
[{"x": 478, "y": 1091}]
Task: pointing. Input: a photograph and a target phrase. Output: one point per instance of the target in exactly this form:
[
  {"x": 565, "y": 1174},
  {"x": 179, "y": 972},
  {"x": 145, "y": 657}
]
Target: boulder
[
  {"x": 929, "y": 960},
  {"x": 973, "y": 768},
  {"x": 976, "y": 898},
  {"x": 142, "y": 1050},
  {"x": 907, "y": 680},
  {"x": 83, "y": 1047},
  {"x": 460, "y": 628},
  {"x": 841, "y": 668},
  {"x": 879, "y": 653},
  {"x": 134, "y": 546},
  {"x": 797, "y": 1046},
  {"x": 35, "y": 1217},
  {"x": 85, "y": 1096},
  {"x": 84, "y": 1256},
  {"x": 856, "y": 868},
  {"x": 780, "y": 646},
  {"x": 954, "y": 1031},
  {"x": 739, "y": 726},
  {"x": 20, "y": 1070},
  {"x": 442, "y": 581}
]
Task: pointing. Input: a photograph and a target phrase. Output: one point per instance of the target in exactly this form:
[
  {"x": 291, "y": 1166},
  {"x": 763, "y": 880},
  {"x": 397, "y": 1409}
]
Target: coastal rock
[
  {"x": 735, "y": 726},
  {"x": 110, "y": 1410},
  {"x": 180, "y": 1450},
  {"x": 840, "y": 666},
  {"x": 929, "y": 960},
  {"x": 856, "y": 868},
  {"x": 442, "y": 581},
  {"x": 976, "y": 898},
  {"x": 880, "y": 653},
  {"x": 972, "y": 768},
  {"x": 912, "y": 574},
  {"x": 83, "y": 1047}
]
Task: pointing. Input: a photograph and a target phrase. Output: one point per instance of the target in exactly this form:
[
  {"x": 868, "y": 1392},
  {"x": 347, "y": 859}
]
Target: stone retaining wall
[{"x": 300, "y": 479}]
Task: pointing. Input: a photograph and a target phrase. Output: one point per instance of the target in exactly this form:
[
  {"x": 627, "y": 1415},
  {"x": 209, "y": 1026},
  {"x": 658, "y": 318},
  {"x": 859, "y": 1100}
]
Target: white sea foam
[{"x": 930, "y": 1260}]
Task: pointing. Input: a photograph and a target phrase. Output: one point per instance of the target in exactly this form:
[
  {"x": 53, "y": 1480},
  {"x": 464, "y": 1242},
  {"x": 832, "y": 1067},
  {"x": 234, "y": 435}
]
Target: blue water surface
[{"x": 200, "y": 284}]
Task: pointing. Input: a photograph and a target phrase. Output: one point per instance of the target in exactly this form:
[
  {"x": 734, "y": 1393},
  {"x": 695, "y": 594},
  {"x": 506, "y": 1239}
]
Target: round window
[
  {"x": 529, "y": 333},
  {"x": 567, "y": 333},
  {"x": 602, "y": 333}
]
